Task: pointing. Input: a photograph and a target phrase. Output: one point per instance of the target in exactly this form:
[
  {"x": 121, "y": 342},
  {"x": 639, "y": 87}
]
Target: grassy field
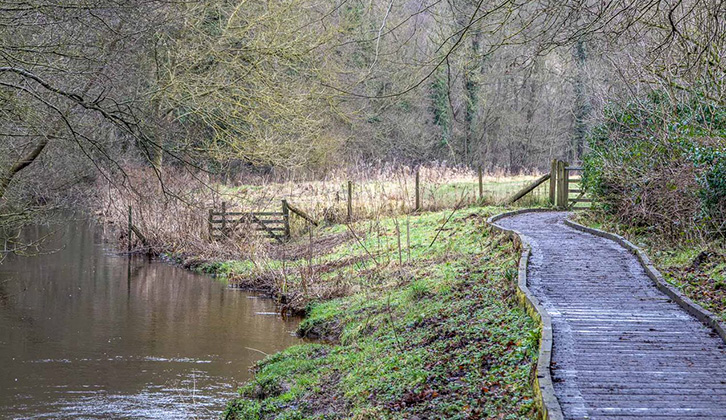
[
  {"x": 417, "y": 316},
  {"x": 381, "y": 193}
]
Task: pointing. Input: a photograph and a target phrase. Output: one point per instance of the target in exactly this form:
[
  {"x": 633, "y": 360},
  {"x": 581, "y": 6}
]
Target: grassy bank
[
  {"x": 696, "y": 267},
  {"x": 419, "y": 320}
]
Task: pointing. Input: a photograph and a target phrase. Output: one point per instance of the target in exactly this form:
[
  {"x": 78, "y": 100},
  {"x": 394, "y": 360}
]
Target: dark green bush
[{"x": 661, "y": 164}]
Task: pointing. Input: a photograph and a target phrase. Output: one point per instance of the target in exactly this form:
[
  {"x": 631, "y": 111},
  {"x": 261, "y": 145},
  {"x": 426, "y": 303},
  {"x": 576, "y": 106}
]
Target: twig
[
  {"x": 398, "y": 236},
  {"x": 408, "y": 238},
  {"x": 361, "y": 243},
  {"x": 258, "y": 351},
  {"x": 438, "y": 231}
]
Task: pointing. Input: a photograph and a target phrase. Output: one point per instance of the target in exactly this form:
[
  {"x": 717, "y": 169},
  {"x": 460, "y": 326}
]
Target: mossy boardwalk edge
[{"x": 547, "y": 403}]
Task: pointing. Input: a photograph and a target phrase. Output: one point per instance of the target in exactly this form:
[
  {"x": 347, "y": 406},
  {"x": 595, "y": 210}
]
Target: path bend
[{"x": 622, "y": 349}]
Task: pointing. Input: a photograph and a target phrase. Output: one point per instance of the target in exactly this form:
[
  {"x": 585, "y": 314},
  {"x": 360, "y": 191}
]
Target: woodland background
[{"x": 127, "y": 93}]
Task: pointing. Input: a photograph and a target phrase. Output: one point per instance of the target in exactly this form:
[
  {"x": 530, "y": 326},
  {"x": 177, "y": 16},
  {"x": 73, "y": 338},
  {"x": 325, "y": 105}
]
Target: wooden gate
[
  {"x": 223, "y": 223},
  {"x": 566, "y": 190}
]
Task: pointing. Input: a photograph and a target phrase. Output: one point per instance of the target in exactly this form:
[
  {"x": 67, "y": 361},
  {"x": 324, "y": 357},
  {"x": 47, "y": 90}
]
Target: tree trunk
[
  {"x": 20, "y": 165},
  {"x": 582, "y": 108}
]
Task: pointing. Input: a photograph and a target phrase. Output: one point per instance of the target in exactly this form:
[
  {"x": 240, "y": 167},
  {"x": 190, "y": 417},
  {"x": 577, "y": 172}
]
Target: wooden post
[
  {"x": 210, "y": 224},
  {"x": 566, "y": 184},
  {"x": 563, "y": 185},
  {"x": 224, "y": 217},
  {"x": 553, "y": 181},
  {"x": 560, "y": 170},
  {"x": 286, "y": 218},
  {"x": 350, "y": 201},
  {"x": 481, "y": 186},
  {"x": 418, "y": 192},
  {"x": 561, "y": 193},
  {"x": 129, "y": 233}
]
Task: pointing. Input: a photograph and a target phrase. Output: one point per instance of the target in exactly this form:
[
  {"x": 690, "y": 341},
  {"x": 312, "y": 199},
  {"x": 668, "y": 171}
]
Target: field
[
  {"x": 381, "y": 193},
  {"x": 175, "y": 223}
]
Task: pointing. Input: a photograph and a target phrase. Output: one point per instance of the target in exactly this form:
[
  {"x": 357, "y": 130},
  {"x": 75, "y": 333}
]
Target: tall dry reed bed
[{"x": 170, "y": 211}]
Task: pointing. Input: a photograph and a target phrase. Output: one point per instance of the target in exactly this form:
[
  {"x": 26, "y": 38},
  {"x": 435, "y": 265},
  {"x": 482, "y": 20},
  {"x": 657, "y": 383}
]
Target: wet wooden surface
[{"x": 622, "y": 349}]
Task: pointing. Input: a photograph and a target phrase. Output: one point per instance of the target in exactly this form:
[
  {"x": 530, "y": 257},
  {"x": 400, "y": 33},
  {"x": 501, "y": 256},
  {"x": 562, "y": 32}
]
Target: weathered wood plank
[
  {"x": 247, "y": 220},
  {"x": 529, "y": 188},
  {"x": 242, "y": 213}
]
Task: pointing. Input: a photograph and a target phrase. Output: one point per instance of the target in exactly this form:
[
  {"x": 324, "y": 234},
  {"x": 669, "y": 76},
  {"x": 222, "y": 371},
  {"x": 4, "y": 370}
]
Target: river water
[{"x": 85, "y": 334}]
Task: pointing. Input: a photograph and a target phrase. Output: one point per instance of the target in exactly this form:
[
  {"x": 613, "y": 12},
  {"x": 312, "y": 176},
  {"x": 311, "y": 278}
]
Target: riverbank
[
  {"x": 696, "y": 268},
  {"x": 418, "y": 317}
]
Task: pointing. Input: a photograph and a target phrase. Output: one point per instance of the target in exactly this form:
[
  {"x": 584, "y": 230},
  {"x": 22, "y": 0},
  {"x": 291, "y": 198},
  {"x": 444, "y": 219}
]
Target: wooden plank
[
  {"x": 239, "y": 213},
  {"x": 574, "y": 191},
  {"x": 286, "y": 218},
  {"x": 268, "y": 225},
  {"x": 255, "y": 227},
  {"x": 302, "y": 214},
  {"x": 566, "y": 183},
  {"x": 553, "y": 182},
  {"x": 581, "y": 200},
  {"x": 268, "y": 229},
  {"x": 561, "y": 194},
  {"x": 524, "y": 191},
  {"x": 249, "y": 220},
  {"x": 575, "y": 168}
]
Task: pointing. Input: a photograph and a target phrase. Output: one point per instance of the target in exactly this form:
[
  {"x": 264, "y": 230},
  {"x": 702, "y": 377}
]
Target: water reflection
[{"x": 84, "y": 334}]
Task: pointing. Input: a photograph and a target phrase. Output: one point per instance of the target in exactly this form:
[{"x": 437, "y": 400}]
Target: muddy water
[{"x": 86, "y": 334}]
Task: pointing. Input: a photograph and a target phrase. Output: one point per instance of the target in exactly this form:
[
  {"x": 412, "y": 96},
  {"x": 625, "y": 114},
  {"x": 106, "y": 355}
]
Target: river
[{"x": 86, "y": 334}]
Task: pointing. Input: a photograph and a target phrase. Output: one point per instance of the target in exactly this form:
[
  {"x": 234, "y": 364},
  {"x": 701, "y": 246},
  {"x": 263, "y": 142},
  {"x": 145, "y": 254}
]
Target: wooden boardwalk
[{"x": 622, "y": 349}]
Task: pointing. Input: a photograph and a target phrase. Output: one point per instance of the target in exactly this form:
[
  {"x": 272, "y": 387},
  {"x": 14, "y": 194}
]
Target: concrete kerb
[
  {"x": 547, "y": 403},
  {"x": 703, "y": 315}
]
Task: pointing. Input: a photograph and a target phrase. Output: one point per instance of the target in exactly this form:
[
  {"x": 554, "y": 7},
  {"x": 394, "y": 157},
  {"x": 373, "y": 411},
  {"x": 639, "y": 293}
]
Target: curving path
[{"x": 622, "y": 349}]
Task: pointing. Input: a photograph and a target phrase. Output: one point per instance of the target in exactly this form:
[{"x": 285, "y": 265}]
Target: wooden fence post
[
  {"x": 417, "y": 207},
  {"x": 481, "y": 186},
  {"x": 286, "y": 218},
  {"x": 553, "y": 181},
  {"x": 129, "y": 233},
  {"x": 210, "y": 224},
  {"x": 350, "y": 201},
  {"x": 566, "y": 185},
  {"x": 224, "y": 217},
  {"x": 561, "y": 191},
  {"x": 560, "y": 170}
]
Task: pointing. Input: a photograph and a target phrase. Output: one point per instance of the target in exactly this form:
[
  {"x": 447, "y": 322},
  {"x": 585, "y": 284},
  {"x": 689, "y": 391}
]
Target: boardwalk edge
[
  {"x": 695, "y": 310},
  {"x": 547, "y": 403}
]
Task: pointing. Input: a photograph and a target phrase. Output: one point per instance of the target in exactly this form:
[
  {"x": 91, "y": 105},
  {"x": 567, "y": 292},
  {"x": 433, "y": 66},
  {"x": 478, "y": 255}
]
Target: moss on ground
[
  {"x": 438, "y": 335},
  {"x": 698, "y": 269}
]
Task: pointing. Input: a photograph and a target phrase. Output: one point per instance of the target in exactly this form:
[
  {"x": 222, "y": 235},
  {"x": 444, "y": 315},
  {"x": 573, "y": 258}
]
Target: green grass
[{"x": 438, "y": 335}]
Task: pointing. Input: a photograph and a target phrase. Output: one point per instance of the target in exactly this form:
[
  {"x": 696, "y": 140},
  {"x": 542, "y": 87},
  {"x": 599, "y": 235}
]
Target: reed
[{"x": 172, "y": 214}]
